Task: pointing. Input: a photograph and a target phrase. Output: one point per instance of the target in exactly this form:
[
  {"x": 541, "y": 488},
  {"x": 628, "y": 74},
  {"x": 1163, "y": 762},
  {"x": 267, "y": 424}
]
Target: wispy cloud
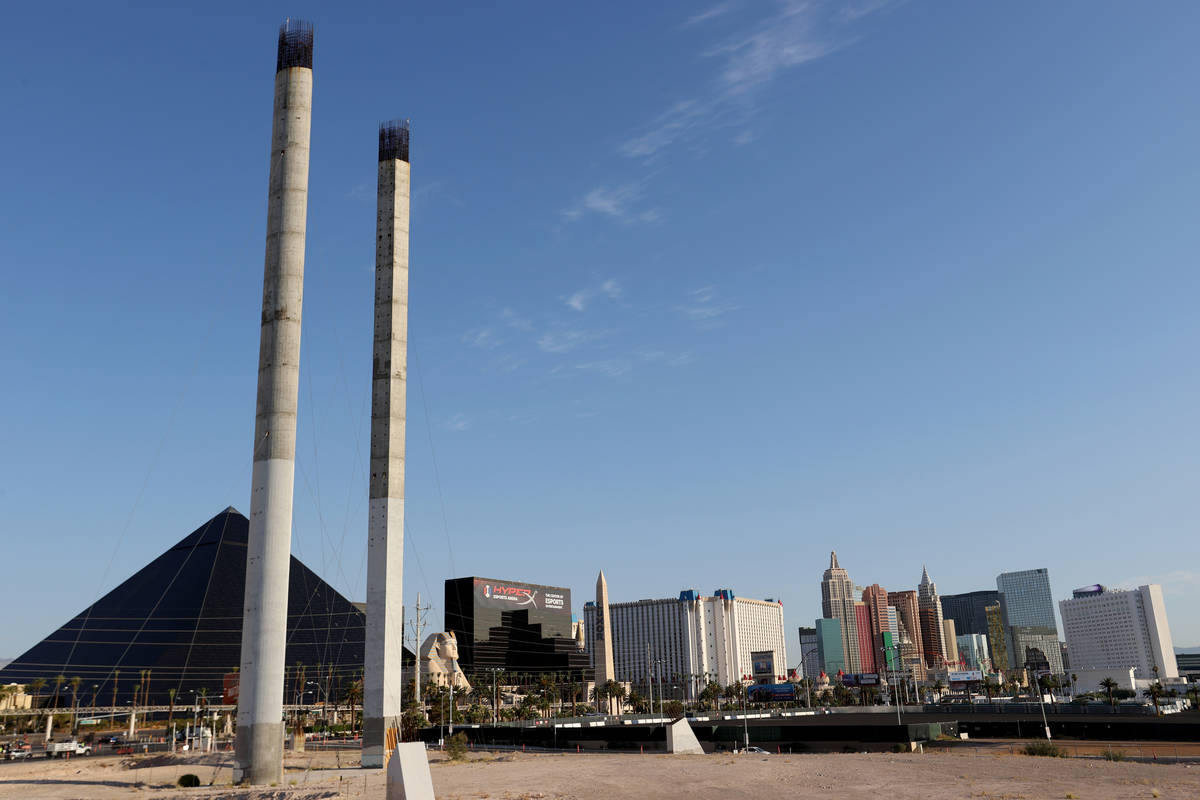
[
  {"x": 609, "y": 367},
  {"x": 483, "y": 338},
  {"x": 578, "y": 301},
  {"x": 514, "y": 320},
  {"x": 1179, "y": 581},
  {"x": 703, "y": 306},
  {"x": 565, "y": 340},
  {"x": 617, "y": 202},
  {"x": 457, "y": 423},
  {"x": 666, "y": 358},
  {"x": 719, "y": 10},
  {"x": 509, "y": 362},
  {"x": 797, "y": 32}
]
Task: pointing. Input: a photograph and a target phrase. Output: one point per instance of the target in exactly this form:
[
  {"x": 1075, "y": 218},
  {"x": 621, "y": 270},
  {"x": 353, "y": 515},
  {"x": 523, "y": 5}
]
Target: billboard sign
[
  {"x": 771, "y": 692},
  {"x": 860, "y": 679},
  {"x": 514, "y": 596},
  {"x": 762, "y": 664},
  {"x": 230, "y": 684},
  {"x": 965, "y": 676}
]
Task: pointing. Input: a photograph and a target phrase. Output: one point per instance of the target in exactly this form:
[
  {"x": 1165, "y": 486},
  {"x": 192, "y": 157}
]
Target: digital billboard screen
[
  {"x": 514, "y": 596},
  {"x": 965, "y": 676},
  {"x": 762, "y": 665}
]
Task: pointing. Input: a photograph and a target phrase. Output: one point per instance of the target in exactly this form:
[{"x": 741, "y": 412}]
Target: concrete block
[
  {"x": 681, "y": 739},
  {"x": 408, "y": 775}
]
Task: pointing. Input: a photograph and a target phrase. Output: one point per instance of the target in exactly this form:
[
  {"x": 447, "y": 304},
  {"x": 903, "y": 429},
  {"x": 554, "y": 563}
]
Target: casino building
[
  {"x": 513, "y": 626},
  {"x": 686, "y": 642}
]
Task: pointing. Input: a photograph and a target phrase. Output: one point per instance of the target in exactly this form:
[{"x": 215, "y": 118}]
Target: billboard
[
  {"x": 771, "y": 692},
  {"x": 230, "y": 683},
  {"x": 762, "y": 666},
  {"x": 965, "y": 676},
  {"x": 860, "y": 679},
  {"x": 514, "y": 596}
]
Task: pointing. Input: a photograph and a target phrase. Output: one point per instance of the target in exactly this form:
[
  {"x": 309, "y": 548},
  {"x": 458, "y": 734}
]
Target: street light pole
[
  {"x": 495, "y": 696},
  {"x": 745, "y": 722}
]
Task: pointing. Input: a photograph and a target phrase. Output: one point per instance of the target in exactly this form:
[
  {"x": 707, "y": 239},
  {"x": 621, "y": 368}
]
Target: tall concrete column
[
  {"x": 382, "y": 681},
  {"x": 259, "y": 749}
]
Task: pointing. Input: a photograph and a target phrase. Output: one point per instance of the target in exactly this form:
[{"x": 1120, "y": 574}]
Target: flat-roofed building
[{"x": 1110, "y": 629}]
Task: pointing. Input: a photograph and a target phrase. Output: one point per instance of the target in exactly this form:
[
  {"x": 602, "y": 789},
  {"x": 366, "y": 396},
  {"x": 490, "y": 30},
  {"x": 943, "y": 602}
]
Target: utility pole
[{"x": 418, "y": 623}]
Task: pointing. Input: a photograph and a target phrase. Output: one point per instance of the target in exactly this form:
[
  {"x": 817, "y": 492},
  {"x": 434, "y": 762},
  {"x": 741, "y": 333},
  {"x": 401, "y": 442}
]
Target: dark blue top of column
[
  {"x": 295, "y": 45},
  {"x": 393, "y": 140}
]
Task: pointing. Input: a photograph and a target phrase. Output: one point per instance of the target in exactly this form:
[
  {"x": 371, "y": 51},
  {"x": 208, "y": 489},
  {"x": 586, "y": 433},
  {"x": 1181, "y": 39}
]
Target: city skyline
[{"x": 777, "y": 275}]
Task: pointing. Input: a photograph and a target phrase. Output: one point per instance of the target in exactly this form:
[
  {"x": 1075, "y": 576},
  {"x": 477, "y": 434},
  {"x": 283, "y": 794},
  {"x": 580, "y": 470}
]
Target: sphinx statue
[{"x": 439, "y": 662}]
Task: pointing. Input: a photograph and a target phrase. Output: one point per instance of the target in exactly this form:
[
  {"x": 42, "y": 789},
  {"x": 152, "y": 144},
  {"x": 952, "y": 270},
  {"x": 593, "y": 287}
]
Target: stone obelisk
[
  {"x": 258, "y": 757},
  {"x": 603, "y": 646},
  {"x": 382, "y": 680}
]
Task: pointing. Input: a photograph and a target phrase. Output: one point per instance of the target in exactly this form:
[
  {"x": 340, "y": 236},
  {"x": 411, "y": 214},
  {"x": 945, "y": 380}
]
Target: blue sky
[{"x": 698, "y": 293}]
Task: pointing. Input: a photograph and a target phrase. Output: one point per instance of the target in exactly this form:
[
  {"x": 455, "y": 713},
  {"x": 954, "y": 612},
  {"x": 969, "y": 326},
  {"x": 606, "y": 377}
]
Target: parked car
[
  {"x": 16, "y": 751},
  {"x": 758, "y": 750}
]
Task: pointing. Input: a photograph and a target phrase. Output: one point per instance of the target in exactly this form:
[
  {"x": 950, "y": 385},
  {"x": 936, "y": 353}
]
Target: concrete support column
[
  {"x": 259, "y": 748},
  {"x": 382, "y": 681}
]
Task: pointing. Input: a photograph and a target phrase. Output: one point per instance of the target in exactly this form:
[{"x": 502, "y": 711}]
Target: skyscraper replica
[
  {"x": 603, "y": 643},
  {"x": 837, "y": 602},
  {"x": 875, "y": 599},
  {"x": 1029, "y": 623},
  {"x": 929, "y": 608},
  {"x": 382, "y": 683},
  {"x": 259, "y": 752}
]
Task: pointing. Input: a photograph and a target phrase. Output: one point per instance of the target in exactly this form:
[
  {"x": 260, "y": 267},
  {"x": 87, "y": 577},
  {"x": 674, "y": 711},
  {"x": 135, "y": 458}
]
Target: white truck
[{"x": 65, "y": 749}]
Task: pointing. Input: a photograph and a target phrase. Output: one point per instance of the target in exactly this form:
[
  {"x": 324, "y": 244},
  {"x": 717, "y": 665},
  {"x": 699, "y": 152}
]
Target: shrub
[
  {"x": 1113, "y": 755},
  {"x": 1040, "y": 748},
  {"x": 189, "y": 781},
  {"x": 456, "y": 747}
]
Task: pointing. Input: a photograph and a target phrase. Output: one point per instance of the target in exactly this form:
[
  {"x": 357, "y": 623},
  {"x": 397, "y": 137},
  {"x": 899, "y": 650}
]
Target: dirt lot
[{"x": 977, "y": 773}]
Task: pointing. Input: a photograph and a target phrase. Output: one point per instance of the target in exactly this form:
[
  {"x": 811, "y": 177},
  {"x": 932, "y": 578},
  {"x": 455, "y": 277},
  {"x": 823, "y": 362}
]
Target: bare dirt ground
[{"x": 936, "y": 775}]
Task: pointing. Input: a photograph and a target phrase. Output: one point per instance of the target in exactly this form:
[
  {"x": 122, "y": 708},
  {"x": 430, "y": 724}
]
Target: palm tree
[
  {"x": 989, "y": 686},
  {"x": 616, "y": 691},
  {"x": 35, "y": 687},
  {"x": 574, "y": 688},
  {"x": 1110, "y": 686},
  {"x": 116, "y": 677},
  {"x": 354, "y": 693},
  {"x": 711, "y": 694},
  {"x": 1154, "y": 691},
  {"x": 1074, "y": 678},
  {"x": 599, "y": 693},
  {"x": 75, "y": 681},
  {"x": 59, "y": 680},
  {"x": 171, "y": 711}
]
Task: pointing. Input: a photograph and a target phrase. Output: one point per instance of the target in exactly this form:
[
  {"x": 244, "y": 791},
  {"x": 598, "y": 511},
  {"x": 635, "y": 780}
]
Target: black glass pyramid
[{"x": 180, "y": 617}]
